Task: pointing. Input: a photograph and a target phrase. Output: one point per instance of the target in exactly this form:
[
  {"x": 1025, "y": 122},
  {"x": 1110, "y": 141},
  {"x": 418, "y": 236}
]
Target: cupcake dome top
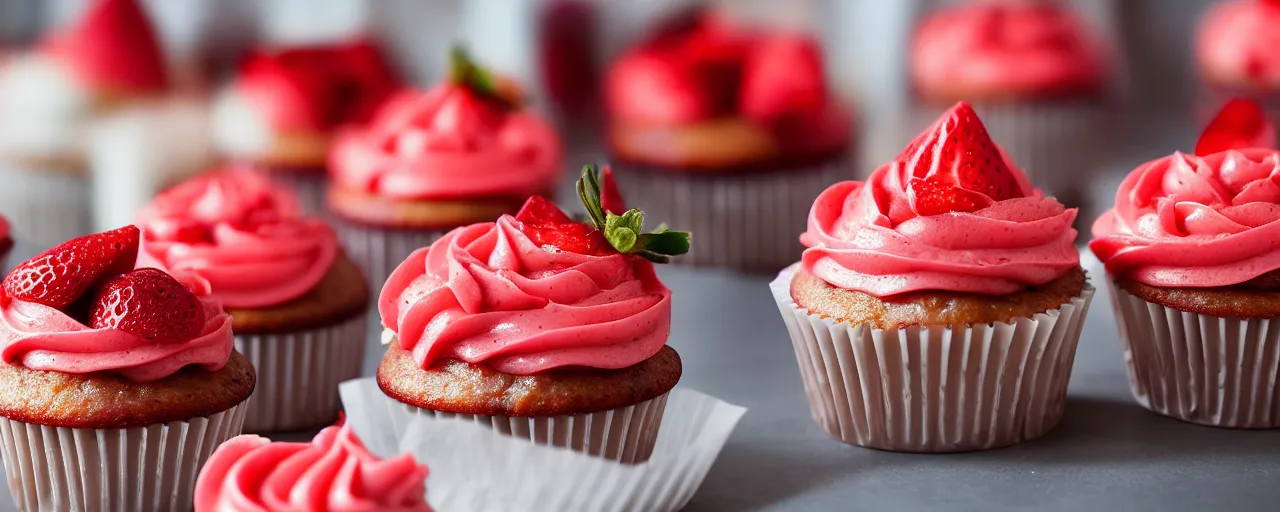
[
  {"x": 435, "y": 144},
  {"x": 1006, "y": 50},
  {"x": 1236, "y": 44},
  {"x": 951, "y": 213},
  {"x": 1200, "y": 221},
  {"x": 538, "y": 291}
]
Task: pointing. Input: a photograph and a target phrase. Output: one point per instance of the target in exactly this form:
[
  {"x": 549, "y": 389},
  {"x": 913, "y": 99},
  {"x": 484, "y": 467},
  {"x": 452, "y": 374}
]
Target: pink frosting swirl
[
  {"x": 486, "y": 293},
  {"x": 1238, "y": 40},
  {"x": 40, "y": 337},
  {"x": 332, "y": 473},
  {"x": 241, "y": 232},
  {"x": 1012, "y": 48},
  {"x": 1188, "y": 221},
  {"x": 865, "y": 236},
  {"x": 447, "y": 143}
]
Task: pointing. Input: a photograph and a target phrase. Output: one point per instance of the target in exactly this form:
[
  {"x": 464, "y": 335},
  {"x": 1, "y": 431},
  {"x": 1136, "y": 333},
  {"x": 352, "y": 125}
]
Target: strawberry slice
[
  {"x": 547, "y": 225},
  {"x": 539, "y": 210},
  {"x": 148, "y": 303},
  {"x": 783, "y": 76},
  {"x": 1242, "y": 123},
  {"x": 610, "y": 198},
  {"x": 954, "y": 166},
  {"x": 59, "y": 276}
]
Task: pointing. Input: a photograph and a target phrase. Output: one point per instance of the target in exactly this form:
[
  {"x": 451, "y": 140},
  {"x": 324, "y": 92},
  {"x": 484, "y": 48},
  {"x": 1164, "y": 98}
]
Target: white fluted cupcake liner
[
  {"x": 378, "y": 251},
  {"x": 467, "y": 458},
  {"x": 142, "y": 469},
  {"x": 44, "y": 208},
  {"x": 745, "y": 220},
  {"x": 1060, "y": 145},
  {"x": 299, "y": 373},
  {"x": 624, "y": 435},
  {"x": 935, "y": 389},
  {"x": 1198, "y": 368}
]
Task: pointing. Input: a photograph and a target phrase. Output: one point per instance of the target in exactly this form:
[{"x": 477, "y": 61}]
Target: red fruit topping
[
  {"x": 566, "y": 56},
  {"x": 546, "y": 224},
  {"x": 783, "y": 76},
  {"x": 1240, "y": 124},
  {"x": 59, "y": 276},
  {"x": 148, "y": 303},
  {"x": 610, "y": 198},
  {"x": 660, "y": 86},
  {"x": 954, "y": 163},
  {"x": 114, "y": 45}
]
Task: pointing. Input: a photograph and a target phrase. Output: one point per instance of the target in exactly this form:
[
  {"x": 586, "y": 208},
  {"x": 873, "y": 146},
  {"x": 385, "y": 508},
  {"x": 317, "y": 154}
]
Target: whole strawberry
[
  {"x": 61, "y": 275},
  {"x": 148, "y": 303},
  {"x": 1242, "y": 123},
  {"x": 955, "y": 167}
]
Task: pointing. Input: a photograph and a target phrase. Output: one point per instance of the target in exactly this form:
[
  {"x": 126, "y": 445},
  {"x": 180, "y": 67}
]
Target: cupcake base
[
  {"x": 44, "y": 207},
  {"x": 1203, "y": 369},
  {"x": 745, "y": 220},
  {"x": 935, "y": 389},
  {"x": 299, "y": 373},
  {"x": 142, "y": 469}
]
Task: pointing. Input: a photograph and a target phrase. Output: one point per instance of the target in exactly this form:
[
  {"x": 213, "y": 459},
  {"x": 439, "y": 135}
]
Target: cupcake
[
  {"x": 938, "y": 304},
  {"x": 539, "y": 326},
  {"x": 730, "y": 131},
  {"x": 1194, "y": 273},
  {"x": 1035, "y": 72},
  {"x": 332, "y": 472},
  {"x": 284, "y": 105},
  {"x": 116, "y": 383},
  {"x": 463, "y": 152},
  {"x": 1235, "y": 51},
  {"x": 49, "y": 97},
  {"x": 298, "y": 304}
]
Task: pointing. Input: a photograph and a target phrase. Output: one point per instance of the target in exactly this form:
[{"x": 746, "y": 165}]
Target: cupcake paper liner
[
  {"x": 935, "y": 389},
  {"x": 466, "y": 458},
  {"x": 1059, "y": 144},
  {"x": 44, "y": 208},
  {"x": 746, "y": 220},
  {"x": 299, "y": 373},
  {"x": 378, "y": 251},
  {"x": 142, "y": 469},
  {"x": 1198, "y": 368}
]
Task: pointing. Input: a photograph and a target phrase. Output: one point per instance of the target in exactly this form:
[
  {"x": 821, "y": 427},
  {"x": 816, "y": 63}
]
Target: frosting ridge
[
  {"x": 1188, "y": 221},
  {"x": 241, "y": 232},
  {"x": 486, "y": 293}
]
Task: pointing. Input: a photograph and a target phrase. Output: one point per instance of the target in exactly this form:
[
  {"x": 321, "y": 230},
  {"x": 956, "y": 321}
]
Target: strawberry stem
[{"x": 626, "y": 232}]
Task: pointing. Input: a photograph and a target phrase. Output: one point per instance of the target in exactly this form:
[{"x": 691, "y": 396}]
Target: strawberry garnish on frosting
[
  {"x": 607, "y": 230},
  {"x": 149, "y": 303},
  {"x": 1242, "y": 123},
  {"x": 59, "y": 276},
  {"x": 955, "y": 167},
  {"x": 114, "y": 46},
  {"x": 783, "y": 76}
]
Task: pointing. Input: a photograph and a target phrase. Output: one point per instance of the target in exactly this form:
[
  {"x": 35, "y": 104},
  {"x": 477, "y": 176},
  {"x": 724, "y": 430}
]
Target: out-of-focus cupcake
[
  {"x": 333, "y": 472},
  {"x": 115, "y": 383},
  {"x": 6, "y": 244},
  {"x": 48, "y": 99},
  {"x": 939, "y": 303},
  {"x": 298, "y": 304},
  {"x": 1236, "y": 53},
  {"x": 1037, "y": 74},
  {"x": 283, "y": 107},
  {"x": 729, "y": 131},
  {"x": 1194, "y": 272},
  {"x": 465, "y": 151},
  {"x": 539, "y": 326}
]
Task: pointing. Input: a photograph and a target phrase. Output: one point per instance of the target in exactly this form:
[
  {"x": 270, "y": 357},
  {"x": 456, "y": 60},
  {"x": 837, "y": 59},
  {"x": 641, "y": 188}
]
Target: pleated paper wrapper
[
  {"x": 1060, "y": 145},
  {"x": 467, "y": 458},
  {"x": 299, "y": 373},
  {"x": 378, "y": 251},
  {"x": 1200, "y": 368},
  {"x": 44, "y": 208},
  {"x": 935, "y": 389},
  {"x": 142, "y": 469},
  {"x": 745, "y": 220}
]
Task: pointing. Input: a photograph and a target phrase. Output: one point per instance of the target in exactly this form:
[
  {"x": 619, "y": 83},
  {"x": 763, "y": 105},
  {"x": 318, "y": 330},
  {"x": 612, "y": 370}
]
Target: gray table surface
[{"x": 1107, "y": 454}]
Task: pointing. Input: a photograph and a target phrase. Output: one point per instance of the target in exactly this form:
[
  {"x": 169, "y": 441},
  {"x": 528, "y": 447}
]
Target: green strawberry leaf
[{"x": 626, "y": 232}]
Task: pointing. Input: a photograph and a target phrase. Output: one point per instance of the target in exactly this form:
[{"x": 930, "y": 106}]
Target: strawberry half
[
  {"x": 783, "y": 76},
  {"x": 148, "y": 303},
  {"x": 546, "y": 224},
  {"x": 59, "y": 276},
  {"x": 955, "y": 167},
  {"x": 1241, "y": 123}
]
